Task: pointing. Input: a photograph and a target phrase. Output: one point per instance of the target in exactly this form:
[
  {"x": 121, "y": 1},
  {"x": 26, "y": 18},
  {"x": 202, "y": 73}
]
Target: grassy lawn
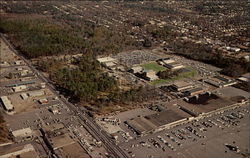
[
  {"x": 191, "y": 73},
  {"x": 153, "y": 66}
]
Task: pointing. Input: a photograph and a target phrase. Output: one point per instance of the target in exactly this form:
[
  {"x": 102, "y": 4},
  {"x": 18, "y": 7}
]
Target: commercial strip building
[
  {"x": 161, "y": 120},
  {"x": 197, "y": 105}
]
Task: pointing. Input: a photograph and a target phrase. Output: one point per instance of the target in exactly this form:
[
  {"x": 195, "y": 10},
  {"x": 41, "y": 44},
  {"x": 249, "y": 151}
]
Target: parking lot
[{"x": 206, "y": 137}]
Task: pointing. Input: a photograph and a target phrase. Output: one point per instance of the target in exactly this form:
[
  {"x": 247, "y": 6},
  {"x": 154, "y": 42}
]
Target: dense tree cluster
[
  {"x": 163, "y": 33},
  {"x": 40, "y": 37},
  {"x": 86, "y": 81}
]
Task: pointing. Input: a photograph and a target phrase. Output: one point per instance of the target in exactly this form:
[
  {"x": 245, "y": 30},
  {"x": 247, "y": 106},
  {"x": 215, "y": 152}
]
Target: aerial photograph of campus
[{"x": 125, "y": 79}]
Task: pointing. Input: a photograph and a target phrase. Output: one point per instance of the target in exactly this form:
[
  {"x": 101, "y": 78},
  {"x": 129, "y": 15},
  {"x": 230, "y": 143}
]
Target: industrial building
[
  {"x": 7, "y": 104},
  {"x": 60, "y": 141},
  {"x": 18, "y": 151},
  {"x": 220, "y": 81},
  {"x": 36, "y": 93},
  {"x": 181, "y": 85},
  {"x": 22, "y": 134},
  {"x": 53, "y": 127},
  {"x": 194, "y": 91},
  {"x": 56, "y": 136},
  {"x": 19, "y": 88}
]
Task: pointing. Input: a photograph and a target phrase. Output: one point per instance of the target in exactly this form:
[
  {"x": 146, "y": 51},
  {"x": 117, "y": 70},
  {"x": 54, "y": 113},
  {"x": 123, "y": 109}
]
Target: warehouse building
[
  {"x": 18, "y": 151},
  {"x": 36, "y": 93},
  {"x": 181, "y": 86},
  {"x": 194, "y": 91},
  {"x": 60, "y": 141},
  {"x": 19, "y": 88},
  {"x": 56, "y": 136},
  {"x": 22, "y": 134},
  {"x": 220, "y": 81},
  {"x": 7, "y": 104}
]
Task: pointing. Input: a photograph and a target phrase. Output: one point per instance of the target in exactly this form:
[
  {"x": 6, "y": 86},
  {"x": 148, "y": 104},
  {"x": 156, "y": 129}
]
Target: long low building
[
  {"x": 220, "y": 81},
  {"x": 22, "y": 134},
  {"x": 181, "y": 85},
  {"x": 7, "y": 104},
  {"x": 194, "y": 91},
  {"x": 36, "y": 93},
  {"x": 169, "y": 117},
  {"x": 164, "y": 119},
  {"x": 141, "y": 125},
  {"x": 21, "y": 151}
]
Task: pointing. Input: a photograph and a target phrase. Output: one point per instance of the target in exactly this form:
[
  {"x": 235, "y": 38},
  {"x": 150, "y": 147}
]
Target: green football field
[{"x": 153, "y": 66}]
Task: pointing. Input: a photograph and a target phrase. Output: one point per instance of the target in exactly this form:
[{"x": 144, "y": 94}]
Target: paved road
[{"x": 88, "y": 123}]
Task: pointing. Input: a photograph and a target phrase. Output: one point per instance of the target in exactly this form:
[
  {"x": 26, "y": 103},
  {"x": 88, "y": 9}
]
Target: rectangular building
[
  {"x": 19, "y": 88},
  {"x": 22, "y": 134},
  {"x": 181, "y": 85},
  {"x": 7, "y": 104},
  {"x": 36, "y": 93}
]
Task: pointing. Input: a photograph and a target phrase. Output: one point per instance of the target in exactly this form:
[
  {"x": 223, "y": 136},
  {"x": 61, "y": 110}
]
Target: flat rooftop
[
  {"x": 204, "y": 103},
  {"x": 78, "y": 152},
  {"x": 168, "y": 116},
  {"x": 13, "y": 150},
  {"x": 61, "y": 141},
  {"x": 181, "y": 84}
]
